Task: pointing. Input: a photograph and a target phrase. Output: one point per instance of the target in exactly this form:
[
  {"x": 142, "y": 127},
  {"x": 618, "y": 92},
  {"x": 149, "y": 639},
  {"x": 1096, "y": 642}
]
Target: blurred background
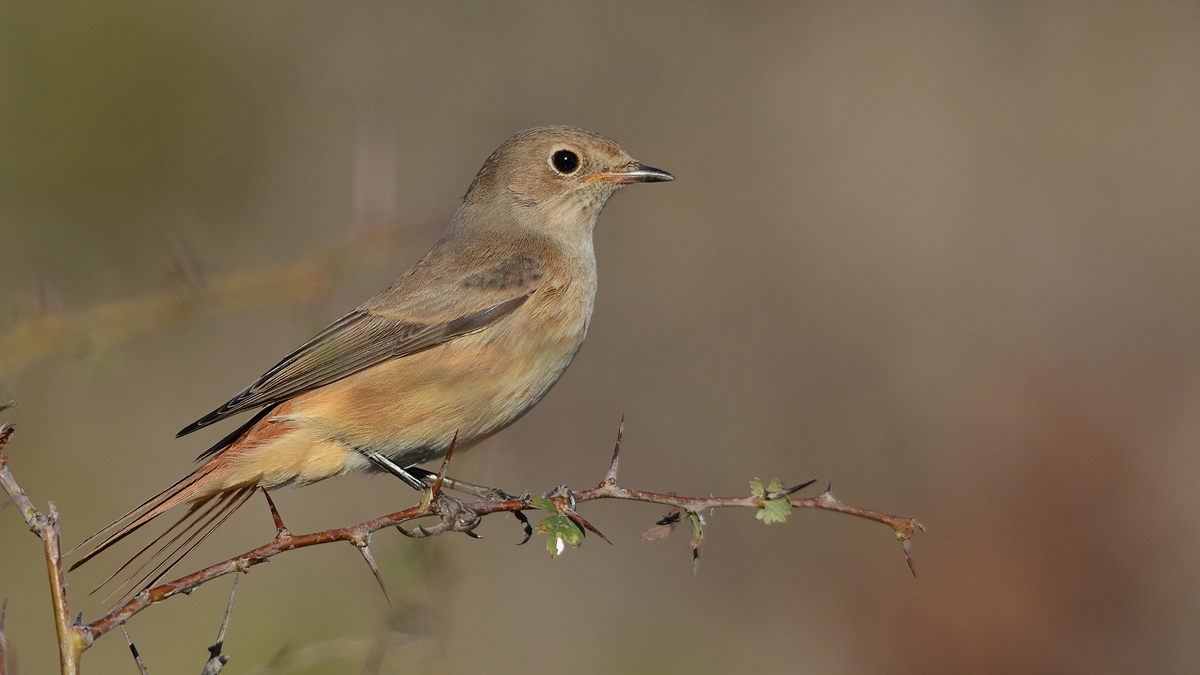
[{"x": 943, "y": 256}]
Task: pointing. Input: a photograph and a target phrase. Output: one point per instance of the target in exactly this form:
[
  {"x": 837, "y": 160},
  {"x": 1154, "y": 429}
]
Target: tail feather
[
  {"x": 216, "y": 489},
  {"x": 118, "y": 521},
  {"x": 195, "y": 507},
  {"x": 219, "y": 509},
  {"x": 225, "y": 513},
  {"x": 178, "y": 493},
  {"x": 205, "y": 514}
]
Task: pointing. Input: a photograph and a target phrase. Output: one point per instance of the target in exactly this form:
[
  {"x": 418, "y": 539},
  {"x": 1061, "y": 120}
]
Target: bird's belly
[{"x": 411, "y": 408}]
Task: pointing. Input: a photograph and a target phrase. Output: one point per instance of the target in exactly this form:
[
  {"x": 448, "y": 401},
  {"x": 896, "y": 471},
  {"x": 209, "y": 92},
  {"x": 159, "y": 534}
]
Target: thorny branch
[{"x": 454, "y": 515}]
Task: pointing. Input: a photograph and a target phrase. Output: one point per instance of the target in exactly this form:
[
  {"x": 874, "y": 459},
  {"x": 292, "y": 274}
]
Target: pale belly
[{"x": 411, "y": 408}]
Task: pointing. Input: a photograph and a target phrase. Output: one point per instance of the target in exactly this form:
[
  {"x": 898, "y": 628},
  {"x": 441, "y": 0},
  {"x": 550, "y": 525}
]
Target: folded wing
[{"x": 416, "y": 313}]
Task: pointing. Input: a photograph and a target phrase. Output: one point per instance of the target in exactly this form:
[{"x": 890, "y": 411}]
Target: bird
[{"x": 459, "y": 347}]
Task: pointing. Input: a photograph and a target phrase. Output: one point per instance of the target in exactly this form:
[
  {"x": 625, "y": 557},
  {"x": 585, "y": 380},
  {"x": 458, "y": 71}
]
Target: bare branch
[
  {"x": 45, "y": 526},
  {"x": 137, "y": 658},
  {"x": 16, "y": 494},
  {"x": 243, "y": 563},
  {"x": 462, "y": 517},
  {"x": 454, "y": 515},
  {"x": 905, "y": 528},
  {"x": 216, "y": 660}
]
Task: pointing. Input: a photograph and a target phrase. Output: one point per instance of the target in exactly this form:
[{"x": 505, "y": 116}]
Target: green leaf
[
  {"x": 560, "y": 532},
  {"x": 697, "y": 529},
  {"x": 771, "y": 510},
  {"x": 697, "y": 536},
  {"x": 544, "y": 504},
  {"x": 775, "y": 511},
  {"x": 756, "y": 488}
]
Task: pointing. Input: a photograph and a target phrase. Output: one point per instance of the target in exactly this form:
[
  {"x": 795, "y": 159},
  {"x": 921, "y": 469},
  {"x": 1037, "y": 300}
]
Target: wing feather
[{"x": 407, "y": 318}]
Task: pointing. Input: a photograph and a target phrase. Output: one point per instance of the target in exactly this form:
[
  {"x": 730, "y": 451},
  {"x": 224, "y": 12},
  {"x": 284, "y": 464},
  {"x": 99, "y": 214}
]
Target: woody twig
[{"x": 45, "y": 525}]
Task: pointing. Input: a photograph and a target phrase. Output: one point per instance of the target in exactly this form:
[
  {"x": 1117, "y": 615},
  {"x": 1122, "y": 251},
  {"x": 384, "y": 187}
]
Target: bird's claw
[
  {"x": 456, "y": 517},
  {"x": 526, "y": 497},
  {"x": 565, "y": 492}
]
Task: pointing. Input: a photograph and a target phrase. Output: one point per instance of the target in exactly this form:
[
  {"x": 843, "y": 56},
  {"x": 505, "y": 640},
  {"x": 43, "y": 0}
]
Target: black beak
[{"x": 636, "y": 172}]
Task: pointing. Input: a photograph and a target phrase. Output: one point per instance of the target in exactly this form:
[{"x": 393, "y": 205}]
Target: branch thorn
[
  {"x": 228, "y": 611},
  {"x": 581, "y": 521},
  {"x": 437, "y": 484},
  {"x": 281, "y": 531},
  {"x": 365, "y": 549},
  {"x": 137, "y": 658},
  {"x": 611, "y": 477},
  {"x": 795, "y": 488},
  {"x": 906, "y": 544}
]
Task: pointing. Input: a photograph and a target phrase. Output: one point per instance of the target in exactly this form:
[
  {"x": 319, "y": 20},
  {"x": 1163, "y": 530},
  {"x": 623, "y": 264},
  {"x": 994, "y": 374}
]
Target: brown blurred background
[{"x": 944, "y": 256}]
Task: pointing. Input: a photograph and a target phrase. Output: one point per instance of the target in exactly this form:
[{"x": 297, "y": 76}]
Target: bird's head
[{"x": 557, "y": 177}]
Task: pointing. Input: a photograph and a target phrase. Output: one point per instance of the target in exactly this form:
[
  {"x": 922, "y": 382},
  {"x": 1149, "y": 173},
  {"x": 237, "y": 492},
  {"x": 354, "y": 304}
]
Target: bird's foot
[
  {"x": 455, "y": 517},
  {"x": 564, "y": 492}
]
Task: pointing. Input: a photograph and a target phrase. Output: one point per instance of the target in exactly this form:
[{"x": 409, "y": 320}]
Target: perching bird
[{"x": 464, "y": 343}]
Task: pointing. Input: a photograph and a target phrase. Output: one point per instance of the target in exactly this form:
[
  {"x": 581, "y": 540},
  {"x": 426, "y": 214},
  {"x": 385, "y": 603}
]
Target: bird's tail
[{"x": 209, "y": 509}]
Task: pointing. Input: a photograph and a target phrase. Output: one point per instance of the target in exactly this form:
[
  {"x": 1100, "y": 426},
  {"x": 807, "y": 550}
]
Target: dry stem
[{"x": 70, "y": 638}]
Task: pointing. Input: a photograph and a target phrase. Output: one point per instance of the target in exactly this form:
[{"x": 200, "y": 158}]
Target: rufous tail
[{"x": 209, "y": 509}]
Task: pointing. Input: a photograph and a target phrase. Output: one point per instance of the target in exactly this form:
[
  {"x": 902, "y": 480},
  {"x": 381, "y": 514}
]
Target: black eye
[{"x": 564, "y": 161}]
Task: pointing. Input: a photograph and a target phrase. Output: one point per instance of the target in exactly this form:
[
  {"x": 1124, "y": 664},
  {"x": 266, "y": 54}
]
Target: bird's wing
[{"x": 421, "y": 310}]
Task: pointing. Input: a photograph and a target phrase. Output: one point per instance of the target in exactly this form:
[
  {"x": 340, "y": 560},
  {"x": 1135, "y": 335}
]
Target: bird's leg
[
  {"x": 404, "y": 474},
  {"x": 480, "y": 491}
]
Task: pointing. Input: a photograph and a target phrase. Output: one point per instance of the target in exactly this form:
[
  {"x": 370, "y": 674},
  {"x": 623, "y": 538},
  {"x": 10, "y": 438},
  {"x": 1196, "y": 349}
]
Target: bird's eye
[{"x": 564, "y": 161}]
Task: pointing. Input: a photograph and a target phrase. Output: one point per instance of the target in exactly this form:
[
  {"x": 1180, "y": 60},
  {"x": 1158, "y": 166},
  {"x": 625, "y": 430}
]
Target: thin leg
[
  {"x": 395, "y": 469},
  {"x": 481, "y": 491}
]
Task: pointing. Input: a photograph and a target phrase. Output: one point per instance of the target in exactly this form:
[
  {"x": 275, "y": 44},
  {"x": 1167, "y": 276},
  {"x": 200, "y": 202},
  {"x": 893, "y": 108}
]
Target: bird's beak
[{"x": 634, "y": 172}]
